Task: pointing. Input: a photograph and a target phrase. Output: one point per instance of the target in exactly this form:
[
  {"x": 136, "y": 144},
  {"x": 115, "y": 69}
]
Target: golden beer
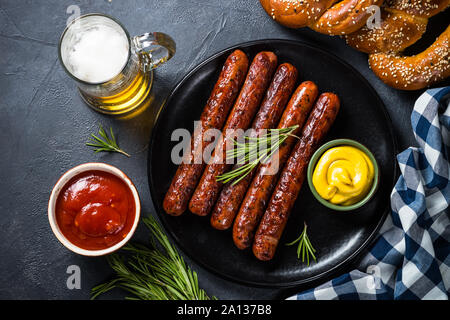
[
  {"x": 113, "y": 71},
  {"x": 125, "y": 100}
]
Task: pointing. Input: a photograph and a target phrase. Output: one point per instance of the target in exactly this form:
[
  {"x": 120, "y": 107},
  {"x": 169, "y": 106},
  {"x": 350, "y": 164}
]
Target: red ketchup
[{"x": 95, "y": 210}]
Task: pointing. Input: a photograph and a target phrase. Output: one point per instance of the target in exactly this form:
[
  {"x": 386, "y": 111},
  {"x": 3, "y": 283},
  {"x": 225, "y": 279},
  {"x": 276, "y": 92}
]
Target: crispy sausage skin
[
  {"x": 214, "y": 116},
  {"x": 264, "y": 181},
  {"x": 267, "y": 117},
  {"x": 292, "y": 177},
  {"x": 245, "y": 108}
]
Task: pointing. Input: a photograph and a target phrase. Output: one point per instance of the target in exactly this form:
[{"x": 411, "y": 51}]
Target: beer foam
[{"x": 98, "y": 54}]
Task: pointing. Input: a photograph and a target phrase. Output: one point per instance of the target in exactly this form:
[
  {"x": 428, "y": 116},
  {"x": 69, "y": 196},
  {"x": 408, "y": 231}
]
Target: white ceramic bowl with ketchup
[{"x": 99, "y": 227}]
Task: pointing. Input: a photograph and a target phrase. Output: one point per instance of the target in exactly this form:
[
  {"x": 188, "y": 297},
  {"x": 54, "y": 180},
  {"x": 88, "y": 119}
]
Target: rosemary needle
[
  {"x": 305, "y": 248},
  {"x": 107, "y": 144},
  {"x": 254, "y": 150},
  {"x": 155, "y": 272}
]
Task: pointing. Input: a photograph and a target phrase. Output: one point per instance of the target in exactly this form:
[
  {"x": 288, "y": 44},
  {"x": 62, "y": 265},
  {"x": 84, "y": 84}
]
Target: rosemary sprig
[
  {"x": 304, "y": 246},
  {"x": 149, "y": 273},
  {"x": 253, "y": 151},
  {"x": 108, "y": 144}
]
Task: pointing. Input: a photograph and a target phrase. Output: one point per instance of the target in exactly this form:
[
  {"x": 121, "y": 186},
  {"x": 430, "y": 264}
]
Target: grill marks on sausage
[
  {"x": 213, "y": 116},
  {"x": 264, "y": 182},
  {"x": 268, "y": 116},
  {"x": 263, "y": 198},
  {"x": 292, "y": 177},
  {"x": 245, "y": 108}
]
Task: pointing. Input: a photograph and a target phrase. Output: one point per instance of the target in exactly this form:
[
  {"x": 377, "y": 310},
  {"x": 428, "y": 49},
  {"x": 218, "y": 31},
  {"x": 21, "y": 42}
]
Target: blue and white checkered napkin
[{"x": 411, "y": 258}]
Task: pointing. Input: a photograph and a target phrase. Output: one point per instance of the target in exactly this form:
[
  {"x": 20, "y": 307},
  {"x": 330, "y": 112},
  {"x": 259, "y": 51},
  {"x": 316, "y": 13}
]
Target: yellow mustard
[{"x": 343, "y": 175}]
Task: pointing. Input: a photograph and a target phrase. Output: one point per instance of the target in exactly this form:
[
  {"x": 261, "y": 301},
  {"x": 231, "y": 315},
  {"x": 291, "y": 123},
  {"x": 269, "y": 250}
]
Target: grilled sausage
[
  {"x": 264, "y": 182},
  {"x": 292, "y": 177},
  {"x": 245, "y": 108},
  {"x": 214, "y": 115},
  {"x": 268, "y": 116}
]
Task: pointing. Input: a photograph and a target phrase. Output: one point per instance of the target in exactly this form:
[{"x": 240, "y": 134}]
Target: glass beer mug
[{"x": 113, "y": 70}]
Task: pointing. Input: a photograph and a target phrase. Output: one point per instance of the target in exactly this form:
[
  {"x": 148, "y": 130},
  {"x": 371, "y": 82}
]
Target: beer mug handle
[{"x": 154, "y": 48}]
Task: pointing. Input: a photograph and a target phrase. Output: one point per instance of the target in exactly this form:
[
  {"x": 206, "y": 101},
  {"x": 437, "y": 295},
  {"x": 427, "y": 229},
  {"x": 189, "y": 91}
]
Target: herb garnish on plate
[
  {"x": 305, "y": 247},
  {"x": 254, "y": 150}
]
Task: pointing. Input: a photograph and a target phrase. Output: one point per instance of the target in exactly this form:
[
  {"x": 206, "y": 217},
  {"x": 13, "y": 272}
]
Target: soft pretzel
[
  {"x": 403, "y": 22},
  {"x": 416, "y": 72},
  {"x": 397, "y": 31},
  {"x": 419, "y": 8},
  {"x": 344, "y": 17},
  {"x": 334, "y": 17},
  {"x": 341, "y": 17},
  {"x": 296, "y": 13}
]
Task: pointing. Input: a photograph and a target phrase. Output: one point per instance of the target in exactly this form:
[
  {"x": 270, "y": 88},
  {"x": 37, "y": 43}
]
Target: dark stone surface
[{"x": 44, "y": 125}]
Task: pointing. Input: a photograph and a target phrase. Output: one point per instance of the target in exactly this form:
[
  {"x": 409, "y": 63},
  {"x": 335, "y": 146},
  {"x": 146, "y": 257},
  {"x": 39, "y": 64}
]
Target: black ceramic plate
[{"x": 338, "y": 237}]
